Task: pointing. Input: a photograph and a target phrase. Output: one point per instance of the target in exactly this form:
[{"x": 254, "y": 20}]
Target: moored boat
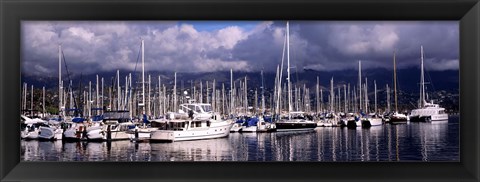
[{"x": 200, "y": 123}]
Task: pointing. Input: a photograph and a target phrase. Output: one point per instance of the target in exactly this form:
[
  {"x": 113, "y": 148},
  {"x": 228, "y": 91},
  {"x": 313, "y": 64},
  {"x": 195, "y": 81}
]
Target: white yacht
[
  {"x": 372, "y": 120},
  {"x": 427, "y": 111},
  {"x": 30, "y": 127},
  {"x": 115, "y": 126},
  {"x": 50, "y": 132},
  {"x": 194, "y": 121}
]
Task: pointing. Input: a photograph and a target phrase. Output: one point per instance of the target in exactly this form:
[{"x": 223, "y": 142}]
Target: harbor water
[{"x": 436, "y": 141}]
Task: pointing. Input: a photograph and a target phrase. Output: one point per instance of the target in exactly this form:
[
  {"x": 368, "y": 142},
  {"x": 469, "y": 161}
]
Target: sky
[{"x": 208, "y": 46}]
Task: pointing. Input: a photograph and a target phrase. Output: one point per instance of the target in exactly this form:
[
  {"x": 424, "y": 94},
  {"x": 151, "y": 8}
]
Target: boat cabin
[
  {"x": 183, "y": 125},
  {"x": 116, "y": 117}
]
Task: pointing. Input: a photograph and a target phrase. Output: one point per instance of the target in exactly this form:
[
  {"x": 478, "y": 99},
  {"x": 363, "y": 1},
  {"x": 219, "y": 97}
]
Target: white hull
[
  {"x": 72, "y": 134},
  {"x": 374, "y": 121},
  {"x": 249, "y": 129},
  {"x": 141, "y": 134},
  {"x": 236, "y": 127},
  {"x": 49, "y": 133},
  {"x": 221, "y": 130},
  {"x": 439, "y": 117},
  {"x": 32, "y": 135}
]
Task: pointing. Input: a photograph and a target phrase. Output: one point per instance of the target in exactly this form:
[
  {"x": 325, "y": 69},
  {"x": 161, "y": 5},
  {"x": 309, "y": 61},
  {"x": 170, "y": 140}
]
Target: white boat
[
  {"x": 76, "y": 129},
  {"x": 199, "y": 123},
  {"x": 264, "y": 126},
  {"x": 115, "y": 126},
  {"x": 50, "y": 133},
  {"x": 95, "y": 133},
  {"x": 30, "y": 127},
  {"x": 237, "y": 127},
  {"x": 427, "y": 111},
  {"x": 372, "y": 120},
  {"x": 73, "y": 132},
  {"x": 257, "y": 124},
  {"x": 142, "y": 133},
  {"x": 396, "y": 117}
]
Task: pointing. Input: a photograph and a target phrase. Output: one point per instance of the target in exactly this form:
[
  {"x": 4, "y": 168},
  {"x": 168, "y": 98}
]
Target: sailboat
[
  {"x": 355, "y": 121},
  {"x": 53, "y": 131},
  {"x": 396, "y": 118},
  {"x": 427, "y": 111},
  {"x": 295, "y": 120}
]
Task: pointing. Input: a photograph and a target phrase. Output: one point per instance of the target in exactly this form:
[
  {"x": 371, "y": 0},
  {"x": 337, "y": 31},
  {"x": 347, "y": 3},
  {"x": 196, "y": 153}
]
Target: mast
[
  {"x": 263, "y": 94},
  {"x": 375, "y": 87},
  {"x": 366, "y": 96},
  {"x": 118, "y": 89},
  {"x": 288, "y": 73},
  {"x": 175, "y": 93},
  {"x": 97, "y": 100},
  {"x": 388, "y": 98},
  {"x": 395, "y": 81},
  {"x": 60, "y": 86},
  {"x": 331, "y": 95},
  {"x": 422, "y": 80},
  {"x": 149, "y": 108},
  {"x": 89, "y": 102},
  {"x": 231, "y": 92},
  {"x": 143, "y": 78},
  {"x": 43, "y": 101},
  {"x": 102, "y": 95},
  {"x": 345, "y": 97},
  {"x": 360, "y": 84},
  {"x": 279, "y": 91}
]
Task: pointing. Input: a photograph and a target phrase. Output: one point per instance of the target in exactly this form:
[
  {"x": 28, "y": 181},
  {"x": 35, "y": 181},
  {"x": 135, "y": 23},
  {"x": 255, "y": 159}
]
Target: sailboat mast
[
  {"x": 360, "y": 85},
  {"x": 60, "y": 86},
  {"x": 288, "y": 72},
  {"x": 231, "y": 91},
  {"x": 395, "y": 81},
  {"x": 375, "y": 88},
  {"x": 331, "y": 95},
  {"x": 422, "y": 96},
  {"x": 143, "y": 78},
  {"x": 118, "y": 90}
]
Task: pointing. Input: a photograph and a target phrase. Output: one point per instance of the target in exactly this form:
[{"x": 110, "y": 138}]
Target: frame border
[{"x": 12, "y": 12}]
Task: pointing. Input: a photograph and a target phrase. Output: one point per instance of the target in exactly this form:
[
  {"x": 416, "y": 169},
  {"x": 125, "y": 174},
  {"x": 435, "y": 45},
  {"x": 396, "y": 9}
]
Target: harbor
[
  {"x": 284, "y": 114},
  {"x": 409, "y": 142}
]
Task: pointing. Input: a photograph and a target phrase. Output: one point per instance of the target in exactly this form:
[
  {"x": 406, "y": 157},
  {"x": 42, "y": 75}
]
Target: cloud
[{"x": 95, "y": 46}]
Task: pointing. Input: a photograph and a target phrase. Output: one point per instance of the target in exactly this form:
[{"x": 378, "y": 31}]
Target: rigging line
[
  {"x": 69, "y": 79},
  {"x": 133, "y": 77}
]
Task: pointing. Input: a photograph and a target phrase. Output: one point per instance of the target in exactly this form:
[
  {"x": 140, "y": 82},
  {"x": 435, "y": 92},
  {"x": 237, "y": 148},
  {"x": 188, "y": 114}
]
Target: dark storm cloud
[{"x": 92, "y": 47}]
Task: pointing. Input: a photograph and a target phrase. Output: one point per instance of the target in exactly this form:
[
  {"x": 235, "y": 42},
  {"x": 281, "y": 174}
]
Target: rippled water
[{"x": 438, "y": 141}]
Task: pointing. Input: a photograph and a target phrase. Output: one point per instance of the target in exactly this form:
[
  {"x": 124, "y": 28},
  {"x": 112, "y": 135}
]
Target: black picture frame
[{"x": 13, "y": 12}]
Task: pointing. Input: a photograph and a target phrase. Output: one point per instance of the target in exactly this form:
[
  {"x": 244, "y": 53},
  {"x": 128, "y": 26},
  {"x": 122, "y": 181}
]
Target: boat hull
[
  {"x": 372, "y": 122},
  {"x": 218, "y": 131},
  {"x": 438, "y": 117},
  {"x": 49, "y": 133},
  {"x": 237, "y": 127},
  {"x": 295, "y": 126}
]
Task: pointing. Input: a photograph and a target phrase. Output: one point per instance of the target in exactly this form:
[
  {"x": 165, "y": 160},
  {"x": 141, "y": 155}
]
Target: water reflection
[{"x": 438, "y": 141}]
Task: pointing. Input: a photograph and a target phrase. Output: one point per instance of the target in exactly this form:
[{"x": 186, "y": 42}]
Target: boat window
[
  {"x": 197, "y": 109},
  {"x": 192, "y": 125},
  {"x": 191, "y": 107},
  {"x": 207, "y": 108},
  {"x": 198, "y": 124}
]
